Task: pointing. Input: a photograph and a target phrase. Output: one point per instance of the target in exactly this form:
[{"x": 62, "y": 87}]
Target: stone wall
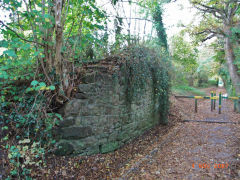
[{"x": 101, "y": 118}]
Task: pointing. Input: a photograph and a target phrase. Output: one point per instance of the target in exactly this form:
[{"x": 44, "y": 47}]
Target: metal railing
[{"x": 213, "y": 97}]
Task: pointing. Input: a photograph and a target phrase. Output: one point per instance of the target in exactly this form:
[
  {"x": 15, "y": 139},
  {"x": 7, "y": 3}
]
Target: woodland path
[{"x": 194, "y": 150}]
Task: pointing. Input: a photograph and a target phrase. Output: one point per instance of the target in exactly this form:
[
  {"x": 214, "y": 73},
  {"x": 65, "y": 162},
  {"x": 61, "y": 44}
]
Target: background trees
[
  {"x": 220, "y": 19},
  {"x": 185, "y": 55}
]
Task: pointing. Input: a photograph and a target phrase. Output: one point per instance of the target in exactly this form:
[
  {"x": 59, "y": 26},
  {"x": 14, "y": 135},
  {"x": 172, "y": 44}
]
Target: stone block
[
  {"x": 129, "y": 126},
  {"x": 113, "y": 119},
  {"x": 123, "y": 136},
  {"x": 103, "y": 121},
  {"x": 64, "y": 148},
  {"x": 92, "y": 150},
  {"x": 102, "y": 139},
  {"x": 86, "y": 88},
  {"x": 89, "y": 141},
  {"x": 78, "y": 144},
  {"x": 109, "y": 147},
  {"x": 105, "y": 78},
  {"x": 113, "y": 136},
  {"x": 89, "y": 78},
  {"x": 75, "y": 132},
  {"x": 83, "y": 121},
  {"x": 69, "y": 121},
  {"x": 73, "y": 107},
  {"x": 125, "y": 119},
  {"x": 81, "y": 96}
]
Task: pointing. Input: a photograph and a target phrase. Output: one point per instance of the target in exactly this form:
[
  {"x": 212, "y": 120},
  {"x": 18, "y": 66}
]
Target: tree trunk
[
  {"x": 59, "y": 34},
  {"x": 230, "y": 62}
]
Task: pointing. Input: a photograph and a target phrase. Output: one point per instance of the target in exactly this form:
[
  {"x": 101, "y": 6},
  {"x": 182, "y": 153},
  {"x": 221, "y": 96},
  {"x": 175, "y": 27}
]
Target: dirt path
[{"x": 194, "y": 150}]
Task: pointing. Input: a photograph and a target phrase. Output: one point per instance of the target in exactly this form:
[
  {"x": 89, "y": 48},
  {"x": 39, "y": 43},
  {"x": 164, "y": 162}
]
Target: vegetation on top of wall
[{"x": 141, "y": 64}]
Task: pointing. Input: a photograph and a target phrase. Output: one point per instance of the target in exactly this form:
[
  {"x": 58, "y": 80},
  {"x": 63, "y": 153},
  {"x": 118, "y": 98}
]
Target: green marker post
[
  {"x": 220, "y": 103},
  {"x": 214, "y": 101},
  {"x": 211, "y": 100}
]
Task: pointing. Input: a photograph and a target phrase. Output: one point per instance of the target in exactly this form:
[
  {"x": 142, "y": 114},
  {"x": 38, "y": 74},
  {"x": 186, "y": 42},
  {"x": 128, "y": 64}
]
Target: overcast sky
[{"x": 176, "y": 13}]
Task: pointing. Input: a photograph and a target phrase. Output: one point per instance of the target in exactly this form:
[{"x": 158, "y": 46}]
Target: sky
[{"x": 176, "y": 13}]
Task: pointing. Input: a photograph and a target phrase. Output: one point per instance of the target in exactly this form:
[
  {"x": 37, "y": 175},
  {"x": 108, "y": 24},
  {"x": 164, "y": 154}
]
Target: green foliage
[
  {"x": 184, "y": 53},
  {"x": 83, "y": 22},
  {"x": 158, "y": 22},
  {"x": 27, "y": 124},
  {"x": 184, "y": 56},
  {"x": 215, "y": 24},
  {"x": 224, "y": 73},
  {"x": 142, "y": 64},
  {"x": 23, "y": 155},
  {"x": 236, "y": 40},
  {"x": 203, "y": 78},
  {"x": 213, "y": 82}
]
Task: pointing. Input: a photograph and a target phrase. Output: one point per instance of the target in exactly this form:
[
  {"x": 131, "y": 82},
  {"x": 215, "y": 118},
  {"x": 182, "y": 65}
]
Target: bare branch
[
  {"x": 142, "y": 19},
  {"x": 209, "y": 37},
  {"x": 209, "y": 9},
  {"x": 235, "y": 9}
]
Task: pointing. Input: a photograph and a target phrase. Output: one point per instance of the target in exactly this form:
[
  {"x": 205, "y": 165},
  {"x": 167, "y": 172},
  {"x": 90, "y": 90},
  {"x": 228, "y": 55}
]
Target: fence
[{"x": 213, "y": 97}]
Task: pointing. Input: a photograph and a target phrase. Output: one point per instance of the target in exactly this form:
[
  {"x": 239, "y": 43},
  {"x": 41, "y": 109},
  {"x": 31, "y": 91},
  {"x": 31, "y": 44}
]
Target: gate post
[
  {"x": 214, "y": 101},
  {"x": 235, "y": 105},
  {"x": 211, "y": 100},
  {"x": 195, "y": 105},
  {"x": 220, "y": 103}
]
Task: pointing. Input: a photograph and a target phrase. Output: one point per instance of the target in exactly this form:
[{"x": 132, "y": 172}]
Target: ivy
[{"x": 141, "y": 65}]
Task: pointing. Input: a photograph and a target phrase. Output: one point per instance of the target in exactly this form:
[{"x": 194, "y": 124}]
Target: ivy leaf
[
  {"x": 52, "y": 88},
  {"x": 10, "y": 53},
  {"x": 4, "y": 44},
  {"x": 26, "y": 46},
  {"x": 42, "y": 84},
  {"x": 34, "y": 83}
]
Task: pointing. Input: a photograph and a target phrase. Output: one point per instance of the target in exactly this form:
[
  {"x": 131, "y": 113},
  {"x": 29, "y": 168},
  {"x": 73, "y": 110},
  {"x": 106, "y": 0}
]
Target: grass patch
[{"x": 187, "y": 90}]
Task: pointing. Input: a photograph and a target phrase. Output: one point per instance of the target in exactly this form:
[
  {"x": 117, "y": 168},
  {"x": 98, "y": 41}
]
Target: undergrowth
[{"x": 27, "y": 125}]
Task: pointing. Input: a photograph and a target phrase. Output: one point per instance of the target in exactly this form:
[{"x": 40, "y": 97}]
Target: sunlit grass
[{"x": 187, "y": 90}]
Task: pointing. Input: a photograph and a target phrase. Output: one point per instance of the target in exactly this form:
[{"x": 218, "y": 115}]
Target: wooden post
[
  {"x": 195, "y": 105},
  {"x": 220, "y": 103}
]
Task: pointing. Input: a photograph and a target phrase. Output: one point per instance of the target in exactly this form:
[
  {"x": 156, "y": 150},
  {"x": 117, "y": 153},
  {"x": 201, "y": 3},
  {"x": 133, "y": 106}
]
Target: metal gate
[{"x": 213, "y": 97}]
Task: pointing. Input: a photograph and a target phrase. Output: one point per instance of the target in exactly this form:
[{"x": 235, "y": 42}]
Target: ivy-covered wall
[{"x": 119, "y": 99}]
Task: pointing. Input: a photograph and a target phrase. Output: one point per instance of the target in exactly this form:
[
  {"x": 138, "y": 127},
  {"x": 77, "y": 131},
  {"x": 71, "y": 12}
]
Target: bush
[
  {"x": 212, "y": 82},
  {"x": 27, "y": 124}
]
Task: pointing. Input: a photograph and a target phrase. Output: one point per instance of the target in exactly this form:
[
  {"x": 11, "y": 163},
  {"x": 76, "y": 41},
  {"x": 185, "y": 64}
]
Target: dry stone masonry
[{"x": 102, "y": 117}]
